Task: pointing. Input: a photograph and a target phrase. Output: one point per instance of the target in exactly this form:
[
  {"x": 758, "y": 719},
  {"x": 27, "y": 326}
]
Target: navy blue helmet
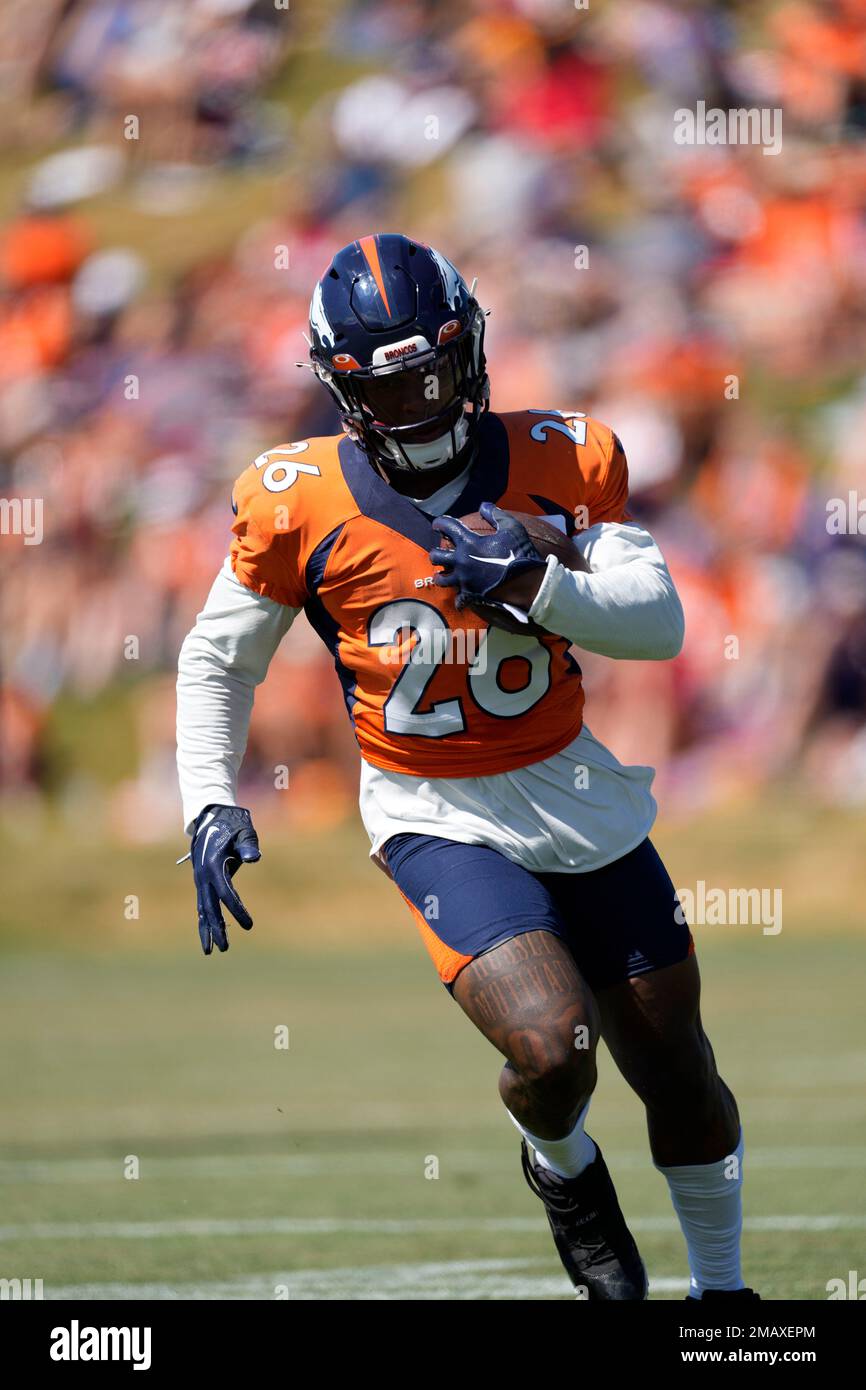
[{"x": 398, "y": 339}]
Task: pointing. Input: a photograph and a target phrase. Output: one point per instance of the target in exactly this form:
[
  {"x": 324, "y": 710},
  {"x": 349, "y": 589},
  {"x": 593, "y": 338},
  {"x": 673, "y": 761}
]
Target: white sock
[
  {"x": 569, "y": 1156},
  {"x": 707, "y": 1198}
]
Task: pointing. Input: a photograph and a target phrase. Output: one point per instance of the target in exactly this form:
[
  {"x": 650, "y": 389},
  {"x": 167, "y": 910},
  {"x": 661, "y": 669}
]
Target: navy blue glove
[
  {"x": 479, "y": 564},
  {"x": 223, "y": 838}
]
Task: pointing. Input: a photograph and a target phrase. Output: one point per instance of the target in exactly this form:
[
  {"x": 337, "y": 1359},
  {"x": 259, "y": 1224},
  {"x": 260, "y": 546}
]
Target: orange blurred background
[{"x": 175, "y": 177}]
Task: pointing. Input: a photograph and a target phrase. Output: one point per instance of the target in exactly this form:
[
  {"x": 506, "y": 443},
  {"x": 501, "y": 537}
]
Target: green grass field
[{"x": 302, "y": 1172}]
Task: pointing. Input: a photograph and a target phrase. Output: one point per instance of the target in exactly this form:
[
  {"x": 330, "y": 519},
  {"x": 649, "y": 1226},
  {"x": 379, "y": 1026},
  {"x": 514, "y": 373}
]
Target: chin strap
[
  {"x": 399, "y": 477},
  {"x": 462, "y": 457},
  {"x": 472, "y": 419}
]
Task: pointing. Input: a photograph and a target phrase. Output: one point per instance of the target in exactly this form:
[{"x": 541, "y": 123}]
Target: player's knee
[
  {"x": 684, "y": 1078},
  {"x": 561, "y": 1077}
]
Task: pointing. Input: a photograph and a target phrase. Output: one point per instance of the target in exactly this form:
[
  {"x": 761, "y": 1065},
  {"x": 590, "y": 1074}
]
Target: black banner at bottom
[{"x": 158, "y": 1337}]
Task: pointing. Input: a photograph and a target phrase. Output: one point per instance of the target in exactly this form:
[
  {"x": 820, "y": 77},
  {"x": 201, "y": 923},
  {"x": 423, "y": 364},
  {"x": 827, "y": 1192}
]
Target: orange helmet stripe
[{"x": 371, "y": 254}]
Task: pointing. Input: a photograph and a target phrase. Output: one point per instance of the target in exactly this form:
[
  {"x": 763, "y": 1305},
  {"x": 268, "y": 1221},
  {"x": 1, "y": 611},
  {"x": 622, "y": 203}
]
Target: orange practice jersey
[{"x": 431, "y": 691}]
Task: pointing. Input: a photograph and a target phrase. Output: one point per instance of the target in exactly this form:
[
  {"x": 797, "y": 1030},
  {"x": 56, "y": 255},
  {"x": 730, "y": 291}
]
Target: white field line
[
  {"x": 407, "y": 1163},
  {"x": 459, "y": 1279},
  {"x": 328, "y": 1226}
]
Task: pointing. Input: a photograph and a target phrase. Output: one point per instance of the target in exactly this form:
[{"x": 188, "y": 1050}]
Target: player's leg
[
  {"x": 493, "y": 933},
  {"x": 652, "y": 1026},
  {"x": 636, "y": 949},
  {"x": 528, "y": 998},
  {"x": 494, "y": 937}
]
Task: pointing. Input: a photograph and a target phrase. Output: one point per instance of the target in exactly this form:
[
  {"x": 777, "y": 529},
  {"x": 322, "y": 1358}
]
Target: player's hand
[
  {"x": 223, "y": 838},
  {"x": 478, "y": 565}
]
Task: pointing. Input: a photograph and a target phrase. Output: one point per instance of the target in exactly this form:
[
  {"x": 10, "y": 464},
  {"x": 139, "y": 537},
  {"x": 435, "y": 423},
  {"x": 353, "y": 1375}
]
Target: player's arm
[
  {"x": 626, "y": 606},
  {"x": 251, "y": 606},
  {"x": 222, "y": 660}
]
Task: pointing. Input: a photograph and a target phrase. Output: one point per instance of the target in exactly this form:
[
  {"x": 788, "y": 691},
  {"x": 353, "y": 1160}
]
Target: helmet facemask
[{"x": 420, "y": 412}]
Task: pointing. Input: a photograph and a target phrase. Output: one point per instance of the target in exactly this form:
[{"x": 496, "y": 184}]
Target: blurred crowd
[{"x": 707, "y": 301}]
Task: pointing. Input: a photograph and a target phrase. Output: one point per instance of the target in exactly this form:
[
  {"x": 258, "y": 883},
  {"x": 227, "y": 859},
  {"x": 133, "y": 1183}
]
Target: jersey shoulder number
[
  {"x": 572, "y": 459},
  {"x": 280, "y": 503}
]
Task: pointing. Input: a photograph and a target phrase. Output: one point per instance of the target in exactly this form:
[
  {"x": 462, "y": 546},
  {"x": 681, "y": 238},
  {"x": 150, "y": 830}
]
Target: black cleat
[
  {"x": 589, "y": 1231},
  {"x": 745, "y": 1295}
]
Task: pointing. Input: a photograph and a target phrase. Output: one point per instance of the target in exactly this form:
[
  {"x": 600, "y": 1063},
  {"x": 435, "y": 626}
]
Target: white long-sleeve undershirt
[
  {"x": 626, "y": 608},
  {"x": 222, "y": 660}
]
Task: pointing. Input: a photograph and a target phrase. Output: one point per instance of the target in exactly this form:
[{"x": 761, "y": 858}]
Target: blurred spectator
[{"x": 709, "y": 302}]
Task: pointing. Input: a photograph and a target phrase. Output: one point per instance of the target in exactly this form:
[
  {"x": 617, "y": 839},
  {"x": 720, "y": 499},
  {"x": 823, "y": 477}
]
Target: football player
[{"x": 518, "y": 842}]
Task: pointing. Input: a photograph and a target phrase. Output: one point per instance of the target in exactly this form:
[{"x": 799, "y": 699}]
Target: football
[{"x": 548, "y": 540}]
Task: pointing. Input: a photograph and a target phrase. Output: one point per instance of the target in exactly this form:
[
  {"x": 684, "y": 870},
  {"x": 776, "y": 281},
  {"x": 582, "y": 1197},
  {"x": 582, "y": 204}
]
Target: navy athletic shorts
[{"x": 618, "y": 921}]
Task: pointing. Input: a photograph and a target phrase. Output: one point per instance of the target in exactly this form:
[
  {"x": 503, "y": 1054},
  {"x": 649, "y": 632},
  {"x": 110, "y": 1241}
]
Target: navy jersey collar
[{"x": 374, "y": 498}]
